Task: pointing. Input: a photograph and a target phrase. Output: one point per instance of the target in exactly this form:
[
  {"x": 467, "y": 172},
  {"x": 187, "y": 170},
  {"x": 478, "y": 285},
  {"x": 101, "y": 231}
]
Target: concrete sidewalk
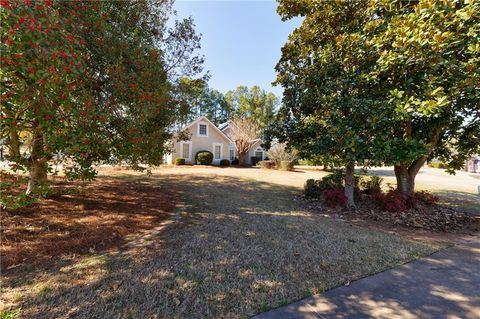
[{"x": 443, "y": 285}]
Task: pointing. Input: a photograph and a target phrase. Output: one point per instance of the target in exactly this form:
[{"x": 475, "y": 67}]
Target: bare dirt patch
[{"x": 97, "y": 218}]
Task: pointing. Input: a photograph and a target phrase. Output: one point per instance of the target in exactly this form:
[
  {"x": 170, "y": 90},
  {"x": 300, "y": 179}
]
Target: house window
[
  {"x": 217, "y": 154},
  {"x": 232, "y": 154},
  {"x": 202, "y": 129},
  {"x": 259, "y": 155},
  {"x": 185, "y": 150}
]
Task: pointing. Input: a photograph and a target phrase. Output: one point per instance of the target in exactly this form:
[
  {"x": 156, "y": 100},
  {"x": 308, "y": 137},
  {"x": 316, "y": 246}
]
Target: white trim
[
  {"x": 221, "y": 151},
  {"x": 198, "y": 128},
  {"x": 259, "y": 150},
  {"x": 234, "y": 153},
  {"x": 203, "y": 118},
  {"x": 189, "y": 149}
]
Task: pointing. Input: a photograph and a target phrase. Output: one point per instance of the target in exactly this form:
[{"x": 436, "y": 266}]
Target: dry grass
[{"x": 239, "y": 245}]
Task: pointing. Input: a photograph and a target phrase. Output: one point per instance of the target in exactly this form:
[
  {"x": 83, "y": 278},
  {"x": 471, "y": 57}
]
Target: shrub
[
  {"x": 334, "y": 180},
  {"x": 334, "y": 197},
  {"x": 371, "y": 185},
  {"x": 179, "y": 161},
  {"x": 311, "y": 188},
  {"x": 437, "y": 165},
  {"x": 286, "y": 165},
  {"x": 224, "y": 162},
  {"x": 306, "y": 162},
  {"x": 267, "y": 164},
  {"x": 279, "y": 152},
  {"x": 235, "y": 161},
  {"x": 204, "y": 158},
  {"x": 426, "y": 198},
  {"x": 392, "y": 201}
]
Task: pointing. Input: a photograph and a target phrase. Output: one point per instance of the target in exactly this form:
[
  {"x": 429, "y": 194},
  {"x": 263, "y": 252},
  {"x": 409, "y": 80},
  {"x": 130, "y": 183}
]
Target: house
[
  {"x": 206, "y": 136},
  {"x": 256, "y": 150},
  {"x": 472, "y": 165}
]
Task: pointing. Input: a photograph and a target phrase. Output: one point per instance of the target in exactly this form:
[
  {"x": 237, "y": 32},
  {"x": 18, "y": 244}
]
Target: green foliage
[
  {"x": 429, "y": 64},
  {"x": 254, "y": 103},
  {"x": 315, "y": 188},
  {"x": 382, "y": 82},
  {"x": 225, "y": 162},
  {"x": 306, "y": 162},
  {"x": 204, "y": 158},
  {"x": 437, "y": 165},
  {"x": 371, "y": 185},
  {"x": 92, "y": 83},
  {"x": 331, "y": 110},
  {"x": 335, "y": 180},
  {"x": 10, "y": 314},
  {"x": 310, "y": 188},
  {"x": 11, "y": 196},
  {"x": 197, "y": 99},
  {"x": 179, "y": 161}
]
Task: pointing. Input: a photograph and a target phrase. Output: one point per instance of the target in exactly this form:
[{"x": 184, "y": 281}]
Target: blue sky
[{"x": 241, "y": 40}]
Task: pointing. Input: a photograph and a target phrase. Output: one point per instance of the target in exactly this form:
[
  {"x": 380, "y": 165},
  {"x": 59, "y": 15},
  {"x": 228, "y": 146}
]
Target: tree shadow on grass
[
  {"x": 443, "y": 285},
  {"x": 467, "y": 202},
  {"x": 235, "y": 247}
]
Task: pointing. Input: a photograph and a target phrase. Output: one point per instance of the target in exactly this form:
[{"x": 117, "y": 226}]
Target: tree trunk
[
  {"x": 405, "y": 182},
  {"x": 37, "y": 164},
  {"x": 406, "y": 174},
  {"x": 38, "y": 175},
  {"x": 350, "y": 185},
  {"x": 242, "y": 159}
]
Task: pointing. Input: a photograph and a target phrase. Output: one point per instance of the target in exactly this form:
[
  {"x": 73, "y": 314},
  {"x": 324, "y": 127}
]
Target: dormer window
[{"x": 202, "y": 129}]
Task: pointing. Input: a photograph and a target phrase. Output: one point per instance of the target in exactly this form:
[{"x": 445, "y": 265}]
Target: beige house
[{"x": 206, "y": 136}]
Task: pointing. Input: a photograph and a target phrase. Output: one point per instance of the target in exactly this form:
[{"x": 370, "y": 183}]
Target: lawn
[{"x": 235, "y": 245}]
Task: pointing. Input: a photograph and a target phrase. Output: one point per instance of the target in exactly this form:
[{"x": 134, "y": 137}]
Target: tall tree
[
  {"x": 330, "y": 107},
  {"x": 197, "y": 99},
  {"x": 88, "y": 81},
  {"x": 429, "y": 60},
  {"x": 253, "y": 102}
]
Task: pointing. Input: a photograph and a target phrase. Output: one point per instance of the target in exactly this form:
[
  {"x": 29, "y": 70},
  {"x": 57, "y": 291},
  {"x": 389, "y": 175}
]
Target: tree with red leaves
[{"x": 89, "y": 83}]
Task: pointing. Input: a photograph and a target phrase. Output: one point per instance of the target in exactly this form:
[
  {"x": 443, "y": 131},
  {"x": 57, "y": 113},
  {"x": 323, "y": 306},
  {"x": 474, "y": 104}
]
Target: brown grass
[
  {"x": 237, "y": 246},
  {"x": 98, "y": 218}
]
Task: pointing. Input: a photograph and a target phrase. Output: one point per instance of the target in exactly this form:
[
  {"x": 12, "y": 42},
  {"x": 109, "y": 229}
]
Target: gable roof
[{"x": 204, "y": 118}]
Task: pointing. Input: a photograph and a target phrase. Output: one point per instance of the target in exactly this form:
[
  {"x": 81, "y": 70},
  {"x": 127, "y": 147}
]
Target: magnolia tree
[
  {"x": 330, "y": 110},
  {"x": 429, "y": 64},
  {"x": 381, "y": 82},
  {"x": 88, "y": 82},
  {"x": 244, "y": 132}
]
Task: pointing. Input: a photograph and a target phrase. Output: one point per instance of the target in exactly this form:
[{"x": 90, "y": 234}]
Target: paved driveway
[{"x": 444, "y": 285}]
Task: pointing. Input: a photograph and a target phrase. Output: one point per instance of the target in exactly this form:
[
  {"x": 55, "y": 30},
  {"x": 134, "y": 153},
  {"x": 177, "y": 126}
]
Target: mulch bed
[
  {"x": 98, "y": 217},
  {"x": 436, "y": 218}
]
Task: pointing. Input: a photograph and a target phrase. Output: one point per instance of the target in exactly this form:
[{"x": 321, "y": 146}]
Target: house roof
[
  {"x": 224, "y": 125},
  {"x": 204, "y": 118}
]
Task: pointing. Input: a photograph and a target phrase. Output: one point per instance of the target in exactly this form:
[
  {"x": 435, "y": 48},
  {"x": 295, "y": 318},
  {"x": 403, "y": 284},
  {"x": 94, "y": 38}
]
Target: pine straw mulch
[
  {"x": 98, "y": 217},
  {"x": 433, "y": 218}
]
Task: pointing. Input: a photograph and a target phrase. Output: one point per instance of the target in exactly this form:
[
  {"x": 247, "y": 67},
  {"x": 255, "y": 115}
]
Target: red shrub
[
  {"x": 394, "y": 201},
  {"x": 426, "y": 198},
  {"x": 334, "y": 197}
]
